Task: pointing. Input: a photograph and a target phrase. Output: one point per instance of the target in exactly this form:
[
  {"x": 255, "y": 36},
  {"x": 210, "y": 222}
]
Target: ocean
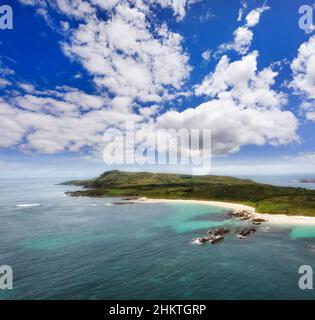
[{"x": 86, "y": 248}]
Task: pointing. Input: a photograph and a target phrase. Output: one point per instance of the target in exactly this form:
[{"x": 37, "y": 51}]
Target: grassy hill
[{"x": 265, "y": 198}]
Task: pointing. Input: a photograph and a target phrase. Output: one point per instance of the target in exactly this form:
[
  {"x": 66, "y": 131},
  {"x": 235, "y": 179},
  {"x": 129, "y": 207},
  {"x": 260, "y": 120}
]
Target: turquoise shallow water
[
  {"x": 188, "y": 217},
  {"x": 307, "y": 232},
  {"x": 84, "y": 248}
]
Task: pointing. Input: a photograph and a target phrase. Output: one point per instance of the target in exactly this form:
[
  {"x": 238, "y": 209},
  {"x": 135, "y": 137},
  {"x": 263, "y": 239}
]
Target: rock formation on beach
[
  {"x": 242, "y": 213},
  {"x": 247, "y": 215}
]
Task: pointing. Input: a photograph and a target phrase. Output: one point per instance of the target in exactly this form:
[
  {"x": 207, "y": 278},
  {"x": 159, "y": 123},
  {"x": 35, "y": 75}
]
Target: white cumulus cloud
[
  {"x": 243, "y": 35},
  {"x": 243, "y": 108},
  {"x": 136, "y": 61},
  {"x": 303, "y": 69},
  {"x": 124, "y": 56},
  {"x": 252, "y": 19}
]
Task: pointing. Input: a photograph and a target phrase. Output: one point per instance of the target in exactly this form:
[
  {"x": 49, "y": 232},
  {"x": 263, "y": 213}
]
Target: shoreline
[{"x": 281, "y": 219}]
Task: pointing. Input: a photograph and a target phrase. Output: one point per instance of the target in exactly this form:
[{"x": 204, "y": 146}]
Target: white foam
[
  {"x": 195, "y": 241},
  {"x": 108, "y": 204},
  {"x": 28, "y": 205}
]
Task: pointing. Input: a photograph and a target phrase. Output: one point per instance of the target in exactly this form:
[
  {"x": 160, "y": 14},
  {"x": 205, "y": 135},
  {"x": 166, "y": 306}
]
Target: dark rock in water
[
  {"x": 203, "y": 240},
  {"x": 238, "y": 214},
  {"x": 241, "y": 213},
  {"x": 215, "y": 239},
  {"x": 246, "y": 232},
  {"x": 217, "y": 231},
  {"x": 214, "y": 235},
  {"x": 259, "y": 220}
]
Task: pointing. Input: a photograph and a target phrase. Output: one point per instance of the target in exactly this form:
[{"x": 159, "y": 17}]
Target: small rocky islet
[
  {"x": 307, "y": 180},
  {"x": 215, "y": 235}
]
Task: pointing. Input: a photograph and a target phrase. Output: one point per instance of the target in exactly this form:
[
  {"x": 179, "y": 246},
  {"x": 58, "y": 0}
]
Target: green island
[{"x": 263, "y": 197}]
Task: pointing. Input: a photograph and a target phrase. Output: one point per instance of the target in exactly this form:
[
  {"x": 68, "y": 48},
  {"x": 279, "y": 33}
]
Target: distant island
[
  {"x": 307, "y": 180},
  {"x": 263, "y": 197}
]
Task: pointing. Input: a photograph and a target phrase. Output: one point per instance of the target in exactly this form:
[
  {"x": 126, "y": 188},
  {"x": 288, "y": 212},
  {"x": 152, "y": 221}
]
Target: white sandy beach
[{"x": 272, "y": 218}]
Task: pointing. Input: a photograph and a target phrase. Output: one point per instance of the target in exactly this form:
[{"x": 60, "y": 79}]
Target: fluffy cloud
[
  {"x": 243, "y": 36},
  {"x": 179, "y": 6},
  {"x": 306, "y": 157},
  {"x": 233, "y": 126},
  {"x": 4, "y": 83},
  {"x": 242, "y": 40},
  {"x": 75, "y": 8},
  {"x": 303, "y": 69},
  {"x": 206, "y": 55},
  {"x": 134, "y": 61},
  {"x": 241, "y": 81},
  {"x": 5, "y": 75},
  {"x": 252, "y": 19},
  {"x": 72, "y": 102},
  {"x": 243, "y": 109},
  {"x": 11, "y": 131},
  {"x": 131, "y": 59},
  {"x": 55, "y": 121},
  {"x": 126, "y": 54},
  {"x": 125, "y": 58},
  {"x": 80, "y": 8},
  {"x": 241, "y": 10}
]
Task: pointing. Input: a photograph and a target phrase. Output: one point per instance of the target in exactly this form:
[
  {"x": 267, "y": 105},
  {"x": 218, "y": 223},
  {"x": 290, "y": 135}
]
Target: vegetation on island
[{"x": 265, "y": 198}]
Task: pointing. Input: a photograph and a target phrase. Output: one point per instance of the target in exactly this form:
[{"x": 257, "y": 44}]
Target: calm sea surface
[{"x": 85, "y": 248}]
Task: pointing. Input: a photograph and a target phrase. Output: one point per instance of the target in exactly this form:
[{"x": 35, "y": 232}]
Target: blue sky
[{"x": 71, "y": 69}]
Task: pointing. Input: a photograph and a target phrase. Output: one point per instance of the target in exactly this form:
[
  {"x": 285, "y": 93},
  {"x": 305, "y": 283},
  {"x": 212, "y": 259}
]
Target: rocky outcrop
[
  {"x": 217, "y": 231},
  {"x": 203, "y": 239},
  {"x": 258, "y": 221},
  {"x": 214, "y": 235},
  {"x": 243, "y": 234},
  {"x": 215, "y": 239},
  {"x": 307, "y": 180},
  {"x": 239, "y": 213},
  {"x": 247, "y": 215},
  {"x": 243, "y": 214}
]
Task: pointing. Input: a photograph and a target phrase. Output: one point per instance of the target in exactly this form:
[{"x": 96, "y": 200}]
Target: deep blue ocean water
[{"x": 85, "y": 248}]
